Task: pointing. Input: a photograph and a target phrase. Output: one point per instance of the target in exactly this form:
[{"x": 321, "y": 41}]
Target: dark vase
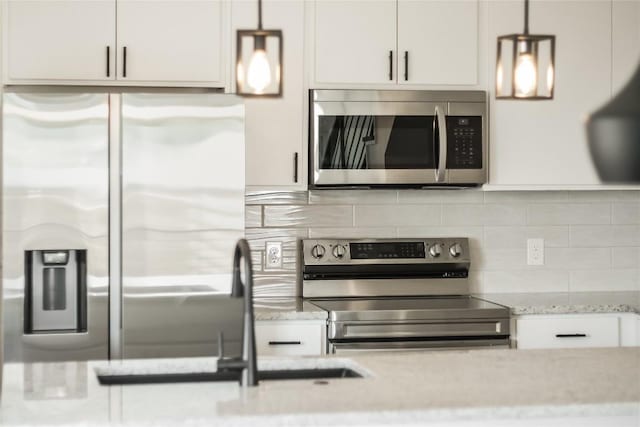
[{"x": 613, "y": 133}]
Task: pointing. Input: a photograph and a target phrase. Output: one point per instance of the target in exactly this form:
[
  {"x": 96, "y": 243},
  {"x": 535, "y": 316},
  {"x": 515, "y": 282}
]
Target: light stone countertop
[
  {"x": 293, "y": 308},
  {"x": 567, "y": 302},
  {"x": 500, "y": 387},
  {"x": 286, "y": 308}
]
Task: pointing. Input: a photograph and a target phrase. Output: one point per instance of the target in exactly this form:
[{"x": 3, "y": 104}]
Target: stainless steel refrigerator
[{"x": 121, "y": 211}]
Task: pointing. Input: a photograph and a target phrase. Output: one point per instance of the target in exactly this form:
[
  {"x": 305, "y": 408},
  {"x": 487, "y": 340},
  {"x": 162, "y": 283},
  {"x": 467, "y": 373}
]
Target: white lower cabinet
[
  {"x": 290, "y": 337},
  {"x": 568, "y": 331}
]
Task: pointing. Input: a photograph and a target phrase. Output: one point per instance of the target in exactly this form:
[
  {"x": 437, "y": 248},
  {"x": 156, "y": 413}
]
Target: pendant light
[
  {"x": 613, "y": 133},
  {"x": 259, "y": 61},
  {"x": 522, "y": 60}
]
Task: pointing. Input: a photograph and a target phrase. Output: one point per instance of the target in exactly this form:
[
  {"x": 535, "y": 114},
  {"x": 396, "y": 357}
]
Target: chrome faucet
[{"x": 239, "y": 289}]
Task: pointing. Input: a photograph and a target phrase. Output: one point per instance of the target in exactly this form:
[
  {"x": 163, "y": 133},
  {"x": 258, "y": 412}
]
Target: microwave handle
[{"x": 442, "y": 141}]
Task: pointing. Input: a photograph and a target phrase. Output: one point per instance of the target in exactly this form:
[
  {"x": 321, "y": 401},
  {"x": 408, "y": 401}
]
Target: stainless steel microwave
[{"x": 397, "y": 138}]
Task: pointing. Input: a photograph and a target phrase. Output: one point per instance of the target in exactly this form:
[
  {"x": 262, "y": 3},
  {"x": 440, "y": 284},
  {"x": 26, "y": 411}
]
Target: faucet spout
[{"x": 240, "y": 289}]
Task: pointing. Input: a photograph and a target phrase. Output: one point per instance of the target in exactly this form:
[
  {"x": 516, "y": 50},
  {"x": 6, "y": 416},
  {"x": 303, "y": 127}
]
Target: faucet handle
[{"x": 220, "y": 345}]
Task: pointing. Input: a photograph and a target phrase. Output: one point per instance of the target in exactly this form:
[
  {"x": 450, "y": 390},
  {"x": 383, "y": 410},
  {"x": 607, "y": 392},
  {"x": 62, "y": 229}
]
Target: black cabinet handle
[
  {"x": 295, "y": 167},
  {"x": 571, "y": 335},
  {"x": 390, "y": 65},
  {"x": 124, "y": 61},
  {"x": 108, "y": 61},
  {"x": 285, "y": 342},
  {"x": 406, "y": 65}
]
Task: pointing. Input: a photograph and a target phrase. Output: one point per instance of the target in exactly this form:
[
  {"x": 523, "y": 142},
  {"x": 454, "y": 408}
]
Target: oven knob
[
  {"x": 339, "y": 251},
  {"x": 317, "y": 251},
  {"x": 455, "y": 250},
  {"x": 435, "y": 250}
]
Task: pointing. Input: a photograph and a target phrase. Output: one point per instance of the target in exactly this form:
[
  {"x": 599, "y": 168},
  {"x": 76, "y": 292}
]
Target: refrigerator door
[
  {"x": 55, "y": 226},
  {"x": 182, "y": 214}
]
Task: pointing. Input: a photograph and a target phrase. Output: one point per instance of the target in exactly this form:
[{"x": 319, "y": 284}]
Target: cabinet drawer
[
  {"x": 290, "y": 338},
  {"x": 568, "y": 332}
]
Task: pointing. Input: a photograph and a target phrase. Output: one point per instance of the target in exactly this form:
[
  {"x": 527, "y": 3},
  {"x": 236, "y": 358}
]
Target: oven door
[{"x": 378, "y": 143}]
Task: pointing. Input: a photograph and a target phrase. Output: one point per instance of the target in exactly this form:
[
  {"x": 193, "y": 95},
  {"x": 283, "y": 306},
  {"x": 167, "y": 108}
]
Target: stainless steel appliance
[
  {"x": 121, "y": 213},
  {"x": 399, "y": 294},
  {"x": 397, "y": 138}
]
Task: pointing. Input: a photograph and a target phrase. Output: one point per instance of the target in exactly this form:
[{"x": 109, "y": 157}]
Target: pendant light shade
[
  {"x": 613, "y": 133},
  {"x": 525, "y": 67},
  {"x": 259, "y": 61}
]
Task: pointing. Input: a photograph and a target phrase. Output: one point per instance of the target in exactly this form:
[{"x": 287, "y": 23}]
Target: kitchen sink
[{"x": 283, "y": 374}]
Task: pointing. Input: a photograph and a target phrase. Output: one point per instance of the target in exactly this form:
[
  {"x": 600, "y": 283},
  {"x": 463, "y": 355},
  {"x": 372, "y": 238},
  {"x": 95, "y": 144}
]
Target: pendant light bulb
[
  {"x": 526, "y": 75},
  {"x": 259, "y": 71}
]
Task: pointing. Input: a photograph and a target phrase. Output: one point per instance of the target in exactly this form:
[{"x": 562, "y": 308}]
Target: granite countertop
[
  {"x": 286, "y": 308},
  {"x": 399, "y": 388},
  {"x": 567, "y": 303},
  {"x": 293, "y": 308}
]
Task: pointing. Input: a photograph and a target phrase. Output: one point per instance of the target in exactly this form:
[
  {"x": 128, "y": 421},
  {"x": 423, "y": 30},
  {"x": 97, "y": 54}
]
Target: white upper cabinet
[
  {"x": 170, "y": 41},
  {"x": 59, "y": 40},
  {"x": 543, "y": 143},
  {"x": 626, "y": 41},
  {"x": 360, "y": 43},
  {"x": 274, "y": 127},
  {"x": 438, "y": 42},
  {"x": 167, "y": 42},
  {"x": 355, "y": 41}
]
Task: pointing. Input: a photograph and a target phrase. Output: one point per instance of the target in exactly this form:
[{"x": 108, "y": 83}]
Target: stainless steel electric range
[{"x": 399, "y": 294}]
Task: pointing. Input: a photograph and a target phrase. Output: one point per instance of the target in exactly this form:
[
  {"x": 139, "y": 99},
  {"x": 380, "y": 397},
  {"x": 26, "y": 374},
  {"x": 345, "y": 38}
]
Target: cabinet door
[
  {"x": 353, "y": 41},
  {"x": 170, "y": 41},
  {"x": 570, "y": 331},
  {"x": 440, "y": 41},
  {"x": 626, "y": 41},
  {"x": 544, "y": 142},
  {"x": 59, "y": 40},
  {"x": 274, "y": 134},
  {"x": 290, "y": 338}
]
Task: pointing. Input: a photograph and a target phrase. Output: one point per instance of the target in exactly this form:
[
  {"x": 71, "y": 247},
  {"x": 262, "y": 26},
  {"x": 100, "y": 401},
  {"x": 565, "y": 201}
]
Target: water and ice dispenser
[{"x": 55, "y": 291}]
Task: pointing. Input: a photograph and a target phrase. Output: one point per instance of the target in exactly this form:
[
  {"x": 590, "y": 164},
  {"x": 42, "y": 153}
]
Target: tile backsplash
[{"x": 592, "y": 238}]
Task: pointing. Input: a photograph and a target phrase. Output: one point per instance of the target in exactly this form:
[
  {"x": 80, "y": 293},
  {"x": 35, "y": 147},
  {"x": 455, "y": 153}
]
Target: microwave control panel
[{"x": 464, "y": 142}]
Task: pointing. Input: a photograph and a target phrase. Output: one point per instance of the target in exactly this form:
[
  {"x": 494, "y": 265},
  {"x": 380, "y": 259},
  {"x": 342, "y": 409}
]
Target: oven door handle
[{"x": 442, "y": 143}]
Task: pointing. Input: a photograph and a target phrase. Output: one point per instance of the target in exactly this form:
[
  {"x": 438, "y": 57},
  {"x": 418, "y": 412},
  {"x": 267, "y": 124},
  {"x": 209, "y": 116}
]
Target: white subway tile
[
  {"x": 399, "y": 215},
  {"x": 570, "y": 213},
  {"x": 525, "y": 281},
  {"x": 276, "y": 198},
  {"x": 604, "y": 235},
  {"x": 516, "y": 236},
  {"x": 440, "y": 196},
  {"x": 604, "y": 280},
  {"x": 500, "y": 259},
  {"x": 605, "y": 196},
  {"x": 253, "y": 216},
  {"x": 525, "y": 196},
  {"x": 483, "y": 215},
  {"x": 353, "y": 197},
  {"x": 308, "y": 216},
  {"x": 626, "y": 213},
  {"x": 625, "y": 257},
  {"x": 577, "y": 258},
  {"x": 352, "y": 233}
]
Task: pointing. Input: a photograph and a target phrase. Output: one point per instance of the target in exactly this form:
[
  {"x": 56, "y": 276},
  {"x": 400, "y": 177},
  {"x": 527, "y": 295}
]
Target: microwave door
[{"x": 374, "y": 143}]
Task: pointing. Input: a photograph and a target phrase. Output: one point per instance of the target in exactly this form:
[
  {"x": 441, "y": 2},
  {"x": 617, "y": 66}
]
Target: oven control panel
[{"x": 385, "y": 251}]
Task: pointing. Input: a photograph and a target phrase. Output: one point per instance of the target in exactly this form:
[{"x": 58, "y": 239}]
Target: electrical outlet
[
  {"x": 273, "y": 254},
  {"x": 535, "y": 251}
]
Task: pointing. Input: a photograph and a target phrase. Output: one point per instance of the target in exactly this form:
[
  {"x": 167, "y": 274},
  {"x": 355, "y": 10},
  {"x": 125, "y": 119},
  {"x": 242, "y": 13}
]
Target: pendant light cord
[
  {"x": 526, "y": 17},
  {"x": 259, "y": 14}
]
